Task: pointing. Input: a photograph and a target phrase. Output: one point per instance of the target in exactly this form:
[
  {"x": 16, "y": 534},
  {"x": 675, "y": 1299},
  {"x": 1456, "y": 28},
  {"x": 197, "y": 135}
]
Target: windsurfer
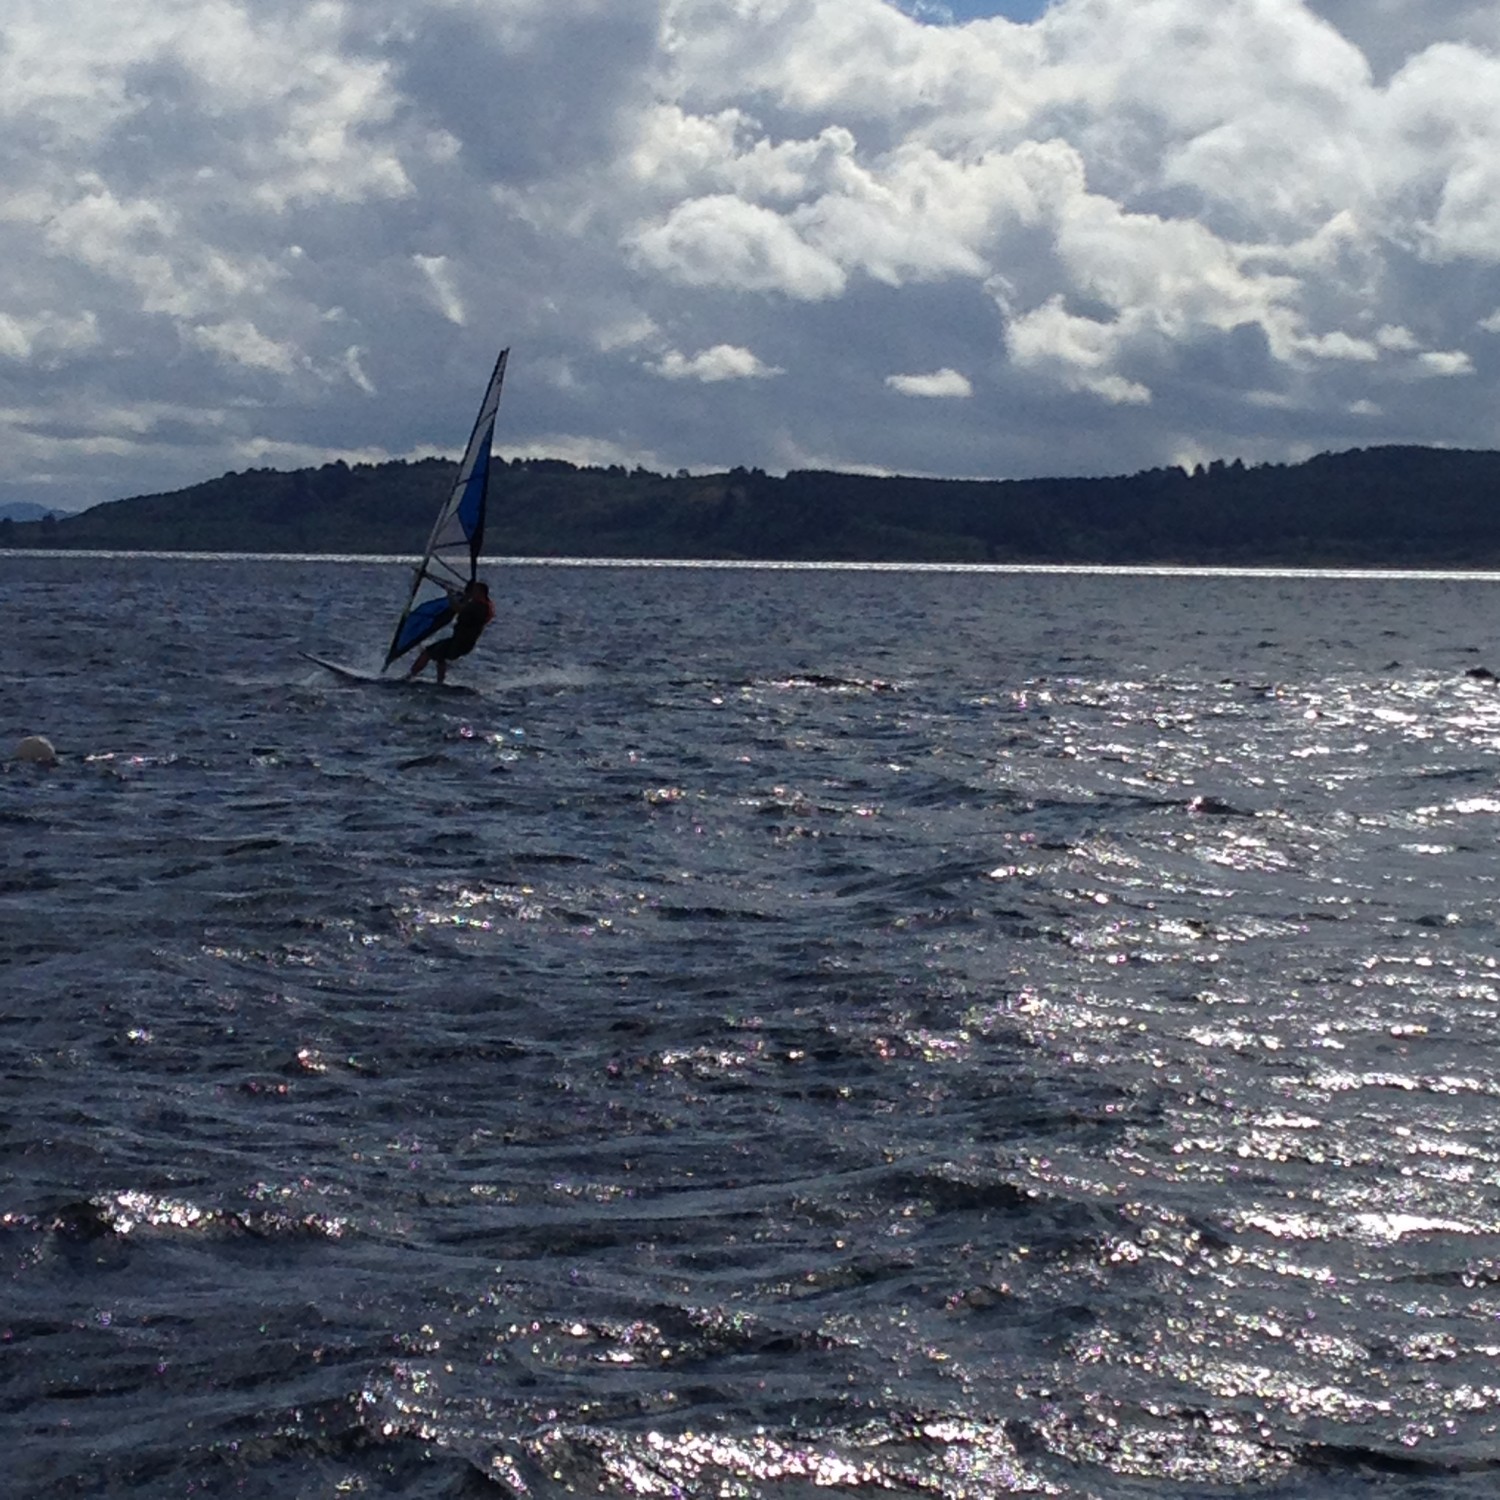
[{"x": 472, "y": 612}]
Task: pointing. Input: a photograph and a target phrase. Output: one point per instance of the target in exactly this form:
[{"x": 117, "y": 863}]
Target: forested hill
[{"x": 1376, "y": 507}]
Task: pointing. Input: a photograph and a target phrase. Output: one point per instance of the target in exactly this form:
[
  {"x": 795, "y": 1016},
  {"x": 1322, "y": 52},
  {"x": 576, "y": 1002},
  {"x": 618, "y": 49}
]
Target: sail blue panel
[
  {"x": 471, "y": 507},
  {"x": 427, "y": 618}
]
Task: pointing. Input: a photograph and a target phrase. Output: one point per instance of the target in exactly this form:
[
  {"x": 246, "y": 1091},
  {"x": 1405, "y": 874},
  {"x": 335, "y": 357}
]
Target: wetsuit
[{"x": 468, "y": 625}]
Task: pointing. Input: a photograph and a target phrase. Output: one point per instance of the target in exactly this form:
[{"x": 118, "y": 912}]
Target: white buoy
[{"x": 36, "y": 750}]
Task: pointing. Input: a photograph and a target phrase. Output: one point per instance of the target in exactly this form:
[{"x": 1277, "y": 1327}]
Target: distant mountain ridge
[
  {"x": 24, "y": 510},
  {"x": 1373, "y": 507}
]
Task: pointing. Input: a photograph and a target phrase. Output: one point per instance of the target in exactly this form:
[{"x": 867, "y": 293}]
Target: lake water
[{"x": 766, "y": 1032}]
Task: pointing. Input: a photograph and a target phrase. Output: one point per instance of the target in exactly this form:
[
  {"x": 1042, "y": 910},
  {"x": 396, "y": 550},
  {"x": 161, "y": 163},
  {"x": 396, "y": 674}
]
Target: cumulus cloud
[
  {"x": 1081, "y": 354},
  {"x": 1159, "y": 227},
  {"x": 940, "y": 383},
  {"x": 46, "y": 335},
  {"x": 241, "y": 342},
  {"x": 722, "y": 362},
  {"x": 723, "y": 242},
  {"x": 1445, "y": 363}
]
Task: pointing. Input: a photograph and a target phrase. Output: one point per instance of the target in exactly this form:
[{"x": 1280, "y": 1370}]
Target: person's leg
[
  {"x": 421, "y": 662},
  {"x": 442, "y": 670}
]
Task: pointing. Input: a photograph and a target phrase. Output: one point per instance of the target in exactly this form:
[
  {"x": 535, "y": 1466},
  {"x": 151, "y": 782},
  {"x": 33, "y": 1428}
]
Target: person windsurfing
[{"x": 472, "y": 611}]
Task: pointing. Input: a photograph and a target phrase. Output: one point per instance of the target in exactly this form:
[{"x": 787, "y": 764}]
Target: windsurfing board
[
  {"x": 379, "y": 679},
  {"x": 349, "y": 674}
]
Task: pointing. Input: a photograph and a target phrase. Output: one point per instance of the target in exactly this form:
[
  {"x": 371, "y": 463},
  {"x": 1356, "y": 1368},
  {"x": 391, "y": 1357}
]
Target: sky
[{"x": 960, "y": 239}]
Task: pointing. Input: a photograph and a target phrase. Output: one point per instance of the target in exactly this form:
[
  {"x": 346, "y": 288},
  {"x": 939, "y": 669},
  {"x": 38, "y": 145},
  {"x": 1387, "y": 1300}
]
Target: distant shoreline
[
  {"x": 1397, "y": 509},
  {"x": 1373, "y": 573}
]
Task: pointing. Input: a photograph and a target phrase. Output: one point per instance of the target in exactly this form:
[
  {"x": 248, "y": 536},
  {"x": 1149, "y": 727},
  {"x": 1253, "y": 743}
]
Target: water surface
[{"x": 767, "y": 1032}]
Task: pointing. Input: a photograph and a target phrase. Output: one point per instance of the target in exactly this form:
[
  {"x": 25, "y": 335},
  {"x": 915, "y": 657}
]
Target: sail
[{"x": 452, "y": 556}]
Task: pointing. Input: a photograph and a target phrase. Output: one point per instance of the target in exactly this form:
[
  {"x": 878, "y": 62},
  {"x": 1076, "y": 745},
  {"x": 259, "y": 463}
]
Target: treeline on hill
[{"x": 1394, "y": 506}]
